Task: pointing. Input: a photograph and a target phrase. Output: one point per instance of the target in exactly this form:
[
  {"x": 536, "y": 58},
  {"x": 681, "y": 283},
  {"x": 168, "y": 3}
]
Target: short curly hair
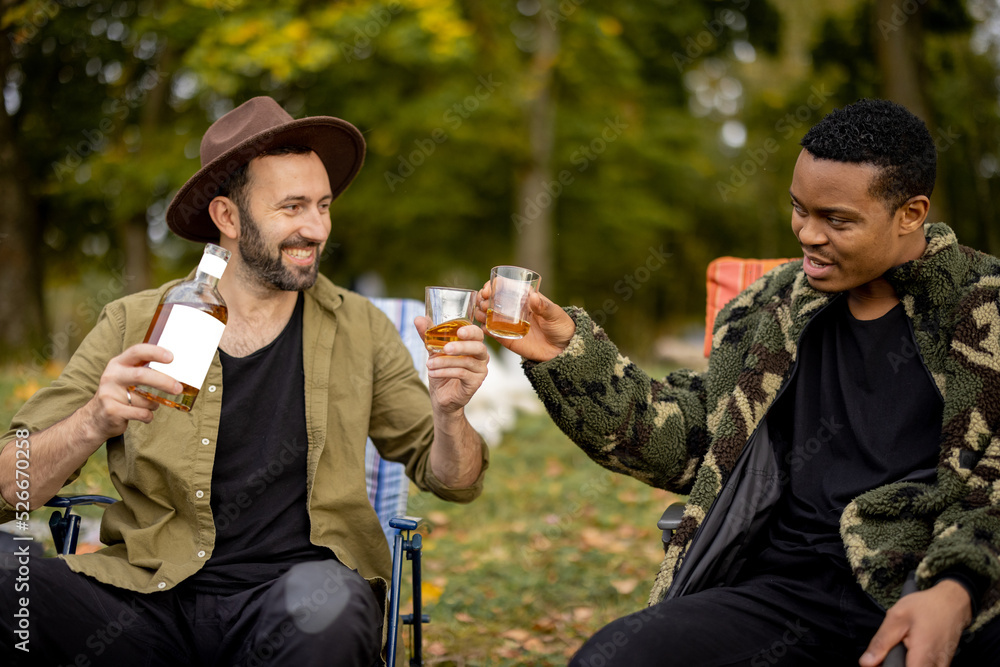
[{"x": 883, "y": 134}]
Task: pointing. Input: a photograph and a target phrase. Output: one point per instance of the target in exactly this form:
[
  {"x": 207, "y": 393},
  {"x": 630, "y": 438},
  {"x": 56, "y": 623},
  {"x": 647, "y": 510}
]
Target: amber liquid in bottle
[
  {"x": 502, "y": 327},
  {"x": 189, "y": 321},
  {"x": 440, "y": 335},
  {"x": 184, "y": 400}
]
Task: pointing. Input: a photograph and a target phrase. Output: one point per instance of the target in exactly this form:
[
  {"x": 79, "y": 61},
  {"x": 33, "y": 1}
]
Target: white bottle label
[{"x": 193, "y": 336}]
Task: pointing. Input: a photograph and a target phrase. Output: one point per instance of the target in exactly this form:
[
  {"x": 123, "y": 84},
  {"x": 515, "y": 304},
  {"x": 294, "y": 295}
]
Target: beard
[{"x": 269, "y": 270}]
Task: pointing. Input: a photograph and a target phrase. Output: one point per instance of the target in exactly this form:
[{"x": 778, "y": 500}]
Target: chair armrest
[
  {"x": 671, "y": 517},
  {"x": 65, "y": 527},
  {"x": 404, "y": 522},
  {"x": 73, "y": 501},
  {"x": 669, "y": 522}
]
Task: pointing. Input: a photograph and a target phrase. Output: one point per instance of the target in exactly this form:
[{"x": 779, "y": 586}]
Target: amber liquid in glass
[
  {"x": 502, "y": 327},
  {"x": 439, "y": 335},
  {"x": 184, "y": 400}
]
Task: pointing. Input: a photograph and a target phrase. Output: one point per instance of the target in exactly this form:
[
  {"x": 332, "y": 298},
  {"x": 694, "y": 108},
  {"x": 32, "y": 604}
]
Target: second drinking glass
[{"x": 511, "y": 286}]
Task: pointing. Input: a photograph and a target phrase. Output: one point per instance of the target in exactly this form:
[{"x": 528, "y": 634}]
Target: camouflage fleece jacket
[{"x": 692, "y": 432}]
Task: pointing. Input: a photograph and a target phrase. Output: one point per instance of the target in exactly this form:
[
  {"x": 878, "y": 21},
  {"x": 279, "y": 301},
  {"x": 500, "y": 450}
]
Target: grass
[{"x": 554, "y": 548}]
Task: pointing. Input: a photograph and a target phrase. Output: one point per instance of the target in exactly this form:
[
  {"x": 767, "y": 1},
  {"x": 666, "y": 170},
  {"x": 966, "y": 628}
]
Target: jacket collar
[
  {"x": 933, "y": 274},
  {"x": 327, "y": 295}
]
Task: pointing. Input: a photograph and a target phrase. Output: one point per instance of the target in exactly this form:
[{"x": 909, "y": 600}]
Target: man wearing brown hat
[{"x": 297, "y": 572}]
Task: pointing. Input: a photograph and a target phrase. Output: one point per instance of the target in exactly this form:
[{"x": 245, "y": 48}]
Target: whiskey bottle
[{"x": 189, "y": 322}]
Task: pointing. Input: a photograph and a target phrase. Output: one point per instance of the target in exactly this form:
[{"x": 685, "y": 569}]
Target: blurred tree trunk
[
  {"x": 22, "y": 312},
  {"x": 899, "y": 43},
  {"x": 137, "y": 269},
  {"x": 536, "y": 192}
]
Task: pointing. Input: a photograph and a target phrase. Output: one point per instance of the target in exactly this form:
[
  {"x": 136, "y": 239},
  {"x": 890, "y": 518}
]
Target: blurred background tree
[{"x": 615, "y": 147}]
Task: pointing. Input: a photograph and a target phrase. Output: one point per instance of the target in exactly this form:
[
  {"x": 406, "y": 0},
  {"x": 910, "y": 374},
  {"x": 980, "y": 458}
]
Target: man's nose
[
  {"x": 811, "y": 232},
  {"x": 315, "y": 225}
]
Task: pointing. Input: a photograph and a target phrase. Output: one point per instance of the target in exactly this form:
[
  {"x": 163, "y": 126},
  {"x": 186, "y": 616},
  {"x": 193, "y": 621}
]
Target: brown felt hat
[{"x": 254, "y": 127}]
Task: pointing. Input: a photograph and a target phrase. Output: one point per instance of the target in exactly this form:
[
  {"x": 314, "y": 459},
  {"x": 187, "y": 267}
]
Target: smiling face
[
  {"x": 287, "y": 221},
  {"x": 849, "y": 238}
]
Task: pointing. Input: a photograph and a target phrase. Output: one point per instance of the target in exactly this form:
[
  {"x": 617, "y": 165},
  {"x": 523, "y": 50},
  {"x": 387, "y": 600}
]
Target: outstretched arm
[{"x": 454, "y": 376}]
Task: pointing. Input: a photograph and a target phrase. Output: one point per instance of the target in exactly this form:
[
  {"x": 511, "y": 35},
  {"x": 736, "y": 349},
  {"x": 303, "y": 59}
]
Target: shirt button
[
  {"x": 199, "y": 494},
  {"x": 161, "y": 585},
  {"x": 211, "y": 388},
  {"x": 205, "y": 441},
  {"x": 201, "y": 554}
]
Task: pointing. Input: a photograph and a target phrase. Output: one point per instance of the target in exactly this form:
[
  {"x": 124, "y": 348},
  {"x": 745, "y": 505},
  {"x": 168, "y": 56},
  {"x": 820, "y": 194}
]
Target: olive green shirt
[{"x": 359, "y": 382}]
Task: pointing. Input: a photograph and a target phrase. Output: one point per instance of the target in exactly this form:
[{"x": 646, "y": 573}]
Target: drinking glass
[
  {"x": 450, "y": 309},
  {"x": 511, "y": 286}
]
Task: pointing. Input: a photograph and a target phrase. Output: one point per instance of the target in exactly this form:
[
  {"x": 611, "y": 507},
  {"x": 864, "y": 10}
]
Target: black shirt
[
  {"x": 861, "y": 412},
  {"x": 259, "y": 477}
]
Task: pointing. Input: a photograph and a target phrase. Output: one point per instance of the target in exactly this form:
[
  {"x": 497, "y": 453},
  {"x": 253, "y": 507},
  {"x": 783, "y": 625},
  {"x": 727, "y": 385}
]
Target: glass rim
[
  {"x": 537, "y": 276},
  {"x": 450, "y": 289}
]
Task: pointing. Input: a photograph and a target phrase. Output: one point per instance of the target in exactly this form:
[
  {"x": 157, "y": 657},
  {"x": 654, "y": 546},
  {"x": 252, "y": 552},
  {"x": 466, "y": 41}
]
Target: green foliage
[{"x": 441, "y": 90}]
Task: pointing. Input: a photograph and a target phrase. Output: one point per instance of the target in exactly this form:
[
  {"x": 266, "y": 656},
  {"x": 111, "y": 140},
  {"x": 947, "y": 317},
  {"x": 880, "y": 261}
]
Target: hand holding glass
[
  {"x": 450, "y": 309},
  {"x": 511, "y": 286}
]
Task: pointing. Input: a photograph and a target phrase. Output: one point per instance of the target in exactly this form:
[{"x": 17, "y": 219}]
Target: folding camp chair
[
  {"x": 387, "y": 486},
  {"x": 726, "y": 278}
]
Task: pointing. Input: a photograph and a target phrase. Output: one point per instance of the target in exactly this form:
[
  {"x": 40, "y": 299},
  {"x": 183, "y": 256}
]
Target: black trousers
[
  {"x": 316, "y": 613},
  {"x": 784, "y": 620}
]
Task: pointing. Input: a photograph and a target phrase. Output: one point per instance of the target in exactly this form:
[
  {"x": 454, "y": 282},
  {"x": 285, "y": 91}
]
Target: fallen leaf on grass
[
  {"x": 553, "y": 467},
  {"x": 517, "y": 634},
  {"x": 626, "y": 531},
  {"x": 535, "y": 645},
  {"x": 436, "y": 648},
  {"x": 462, "y": 617},
  {"x": 540, "y": 543},
  {"x": 628, "y": 496},
  {"x": 583, "y": 613},
  {"x": 438, "y": 518},
  {"x": 625, "y": 586},
  {"x": 595, "y": 538},
  {"x": 545, "y": 625},
  {"x": 430, "y": 591}
]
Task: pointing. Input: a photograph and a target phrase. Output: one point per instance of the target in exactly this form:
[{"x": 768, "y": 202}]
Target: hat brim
[{"x": 337, "y": 143}]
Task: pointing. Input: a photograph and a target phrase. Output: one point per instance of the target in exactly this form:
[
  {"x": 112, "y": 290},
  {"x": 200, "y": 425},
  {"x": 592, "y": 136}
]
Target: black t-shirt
[
  {"x": 862, "y": 412},
  {"x": 259, "y": 476}
]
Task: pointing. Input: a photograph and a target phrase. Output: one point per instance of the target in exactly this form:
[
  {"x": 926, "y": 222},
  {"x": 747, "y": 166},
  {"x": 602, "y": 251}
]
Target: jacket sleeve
[
  {"x": 966, "y": 534},
  {"x": 653, "y": 430},
  {"x": 71, "y": 390}
]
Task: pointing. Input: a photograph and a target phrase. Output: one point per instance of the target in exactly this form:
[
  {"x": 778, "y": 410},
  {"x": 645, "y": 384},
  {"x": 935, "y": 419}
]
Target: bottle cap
[{"x": 214, "y": 261}]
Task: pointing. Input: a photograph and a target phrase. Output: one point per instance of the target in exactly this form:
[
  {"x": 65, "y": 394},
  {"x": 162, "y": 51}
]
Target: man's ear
[
  {"x": 226, "y": 216},
  {"x": 912, "y": 214}
]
